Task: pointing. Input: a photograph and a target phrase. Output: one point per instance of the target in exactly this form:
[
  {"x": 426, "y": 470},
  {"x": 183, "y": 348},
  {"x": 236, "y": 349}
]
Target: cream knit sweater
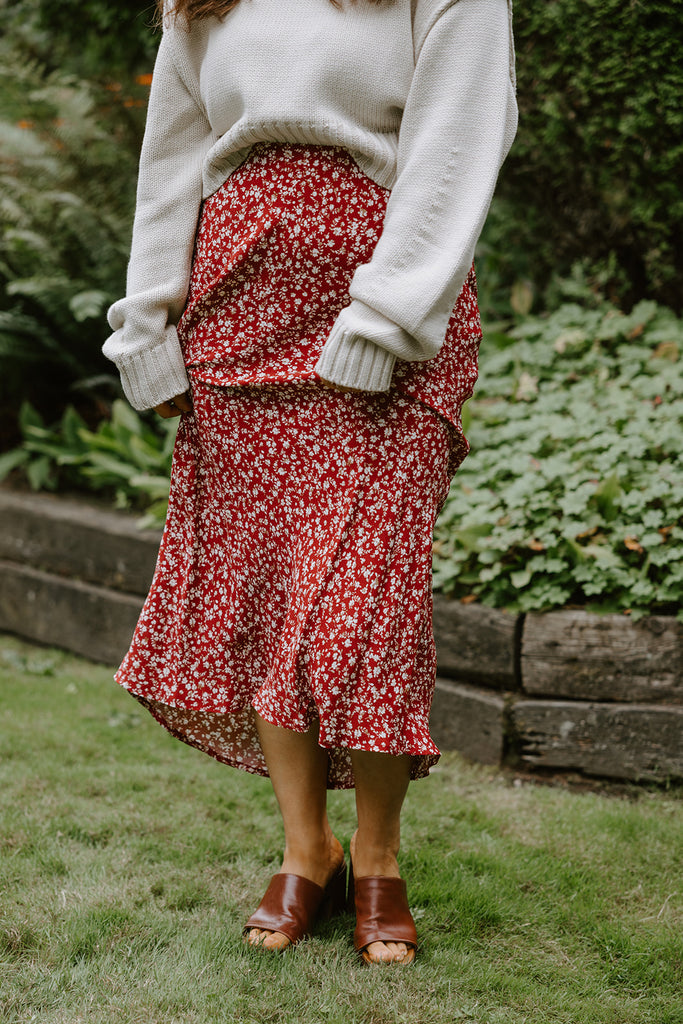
[{"x": 422, "y": 95}]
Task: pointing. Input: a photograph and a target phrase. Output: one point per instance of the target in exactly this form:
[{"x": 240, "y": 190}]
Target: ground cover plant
[
  {"x": 573, "y": 491},
  {"x": 128, "y": 863},
  {"x": 125, "y": 458}
]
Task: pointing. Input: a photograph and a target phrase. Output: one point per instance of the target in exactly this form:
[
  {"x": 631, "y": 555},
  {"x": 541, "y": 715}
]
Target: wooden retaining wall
[{"x": 564, "y": 690}]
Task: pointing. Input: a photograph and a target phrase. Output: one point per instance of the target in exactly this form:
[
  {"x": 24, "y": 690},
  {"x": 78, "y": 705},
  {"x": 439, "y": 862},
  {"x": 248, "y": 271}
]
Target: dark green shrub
[
  {"x": 595, "y": 172},
  {"x": 90, "y": 38}
]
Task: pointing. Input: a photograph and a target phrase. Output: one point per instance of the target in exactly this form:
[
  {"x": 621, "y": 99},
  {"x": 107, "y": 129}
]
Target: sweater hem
[
  {"x": 152, "y": 376},
  {"x": 352, "y": 361},
  {"x": 233, "y": 149}
]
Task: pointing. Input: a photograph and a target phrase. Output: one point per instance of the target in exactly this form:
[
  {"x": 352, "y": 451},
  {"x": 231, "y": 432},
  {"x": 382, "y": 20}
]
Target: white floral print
[{"x": 294, "y": 574}]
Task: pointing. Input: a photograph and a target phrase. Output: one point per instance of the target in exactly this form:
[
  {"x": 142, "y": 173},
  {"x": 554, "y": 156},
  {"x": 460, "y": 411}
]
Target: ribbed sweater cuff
[
  {"x": 357, "y": 352},
  {"x": 151, "y": 376}
]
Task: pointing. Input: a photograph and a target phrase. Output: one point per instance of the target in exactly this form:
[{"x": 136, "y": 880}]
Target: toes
[
  {"x": 269, "y": 940},
  {"x": 255, "y": 936},
  {"x": 400, "y": 951},
  {"x": 380, "y": 952},
  {"x": 388, "y": 952},
  {"x": 276, "y": 940}
]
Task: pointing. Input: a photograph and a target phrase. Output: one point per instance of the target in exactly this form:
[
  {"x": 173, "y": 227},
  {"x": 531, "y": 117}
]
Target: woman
[{"x": 313, "y": 180}]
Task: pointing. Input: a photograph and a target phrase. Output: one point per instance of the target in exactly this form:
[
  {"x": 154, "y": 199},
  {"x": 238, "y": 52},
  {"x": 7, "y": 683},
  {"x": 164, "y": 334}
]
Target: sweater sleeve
[
  {"x": 145, "y": 345},
  {"x": 457, "y": 127}
]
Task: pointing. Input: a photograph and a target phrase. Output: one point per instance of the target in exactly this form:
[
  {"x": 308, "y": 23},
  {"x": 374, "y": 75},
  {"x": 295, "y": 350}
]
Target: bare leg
[
  {"x": 381, "y": 785},
  {"x": 298, "y": 772}
]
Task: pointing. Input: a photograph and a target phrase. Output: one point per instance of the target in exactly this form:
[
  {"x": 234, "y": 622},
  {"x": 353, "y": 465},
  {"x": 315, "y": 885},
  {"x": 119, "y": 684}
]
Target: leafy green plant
[
  {"x": 67, "y": 175},
  {"x": 124, "y": 457},
  {"x": 574, "y": 488}
]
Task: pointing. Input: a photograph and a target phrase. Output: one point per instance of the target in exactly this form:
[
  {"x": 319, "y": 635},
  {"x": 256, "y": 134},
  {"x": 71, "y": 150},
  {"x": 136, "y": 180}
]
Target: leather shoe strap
[
  {"x": 382, "y": 912},
  {"x": 289, "y": 905}
]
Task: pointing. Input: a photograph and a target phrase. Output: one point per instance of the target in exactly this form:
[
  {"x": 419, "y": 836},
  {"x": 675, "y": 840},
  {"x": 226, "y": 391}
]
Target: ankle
[
  {"x": 312, "y": 843},
  {"x": 315, "y": 859},
  {"x": 374, "y": 856}
]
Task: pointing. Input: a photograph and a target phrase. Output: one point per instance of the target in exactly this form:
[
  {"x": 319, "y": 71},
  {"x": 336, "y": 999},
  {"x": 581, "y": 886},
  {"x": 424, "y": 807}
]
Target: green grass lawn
[{"x": 128, "y": 863}]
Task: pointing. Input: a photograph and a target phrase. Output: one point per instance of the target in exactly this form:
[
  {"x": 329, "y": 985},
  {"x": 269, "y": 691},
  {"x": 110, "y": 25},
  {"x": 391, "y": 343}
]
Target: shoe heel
[
  {"x": 351, "y": 895},
  {"x": 335, "y": 895}
]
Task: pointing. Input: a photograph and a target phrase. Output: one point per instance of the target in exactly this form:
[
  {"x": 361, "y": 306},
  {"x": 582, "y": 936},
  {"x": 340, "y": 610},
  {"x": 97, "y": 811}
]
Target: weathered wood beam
[
  {"x": 603, "y": 657},
  {"x": 624, "y": 741}
]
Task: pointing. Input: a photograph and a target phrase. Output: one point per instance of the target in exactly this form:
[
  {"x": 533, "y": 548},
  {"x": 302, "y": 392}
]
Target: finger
[
  {"x": 339, "y": 387},
  {"x": 183, "y": 402},
  {"x": 167, "y": 410}
]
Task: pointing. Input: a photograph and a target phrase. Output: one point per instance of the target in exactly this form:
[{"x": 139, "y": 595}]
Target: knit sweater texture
[{"x": 422, "y": 95}]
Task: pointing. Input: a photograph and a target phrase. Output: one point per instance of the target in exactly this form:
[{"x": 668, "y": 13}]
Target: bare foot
[
  {"x": 385, "y": 864},
  {"x": 318, "y": 869}
]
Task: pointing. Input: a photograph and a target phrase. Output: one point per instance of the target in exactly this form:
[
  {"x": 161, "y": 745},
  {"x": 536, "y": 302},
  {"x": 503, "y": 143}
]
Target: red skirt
[{"x": 294, "y": 574}]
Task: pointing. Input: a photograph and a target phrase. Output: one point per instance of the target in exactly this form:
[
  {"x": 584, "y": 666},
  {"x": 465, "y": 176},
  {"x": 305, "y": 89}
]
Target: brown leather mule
[
  {"x": 382, "y": 915},
  {"x": 293, "y": 904}
]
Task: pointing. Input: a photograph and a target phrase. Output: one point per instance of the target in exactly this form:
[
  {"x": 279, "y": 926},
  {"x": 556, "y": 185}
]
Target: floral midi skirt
[{"x": 294, "y": 574}]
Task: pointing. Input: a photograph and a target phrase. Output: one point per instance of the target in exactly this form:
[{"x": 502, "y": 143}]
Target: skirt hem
[{"x": 420, "y": 768}]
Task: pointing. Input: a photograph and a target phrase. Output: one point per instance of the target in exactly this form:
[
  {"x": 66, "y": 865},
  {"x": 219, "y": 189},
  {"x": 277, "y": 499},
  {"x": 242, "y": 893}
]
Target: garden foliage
[
  {"x": 124, "y": 458},
  {"x": 67, "y": 174},
  {"x": 595, "y": 170},
  {"x": 573, "y": 491}
]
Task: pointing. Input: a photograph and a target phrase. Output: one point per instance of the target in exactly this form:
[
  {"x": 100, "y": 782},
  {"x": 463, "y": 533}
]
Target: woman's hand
[
  {"x": 339, "y": 387},
  {"x": 175, "y": 406}
]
